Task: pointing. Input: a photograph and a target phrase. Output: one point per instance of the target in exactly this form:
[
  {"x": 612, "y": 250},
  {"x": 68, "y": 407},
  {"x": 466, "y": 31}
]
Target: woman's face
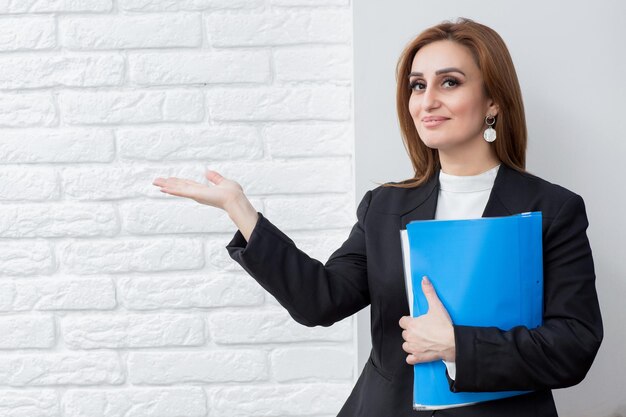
[{"x": 448, "y": 103}]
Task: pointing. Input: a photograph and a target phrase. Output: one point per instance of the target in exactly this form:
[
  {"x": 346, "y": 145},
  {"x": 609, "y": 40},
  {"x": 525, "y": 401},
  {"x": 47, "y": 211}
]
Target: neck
[{"x": 473, "y": 160}]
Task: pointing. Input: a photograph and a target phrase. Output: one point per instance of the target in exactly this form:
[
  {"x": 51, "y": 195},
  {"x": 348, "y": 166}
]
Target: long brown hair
[{"x": 501, "y": 85}]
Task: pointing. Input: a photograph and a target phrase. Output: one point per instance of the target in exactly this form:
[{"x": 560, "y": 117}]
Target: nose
[{"x": 430, "y": 99}]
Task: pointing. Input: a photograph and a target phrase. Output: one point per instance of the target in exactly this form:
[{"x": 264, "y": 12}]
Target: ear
[{"x": 493, "y": 108}]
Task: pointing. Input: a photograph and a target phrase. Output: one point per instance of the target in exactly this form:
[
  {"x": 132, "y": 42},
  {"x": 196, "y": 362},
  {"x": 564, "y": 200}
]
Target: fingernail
[{"x": 425, "y": 280}]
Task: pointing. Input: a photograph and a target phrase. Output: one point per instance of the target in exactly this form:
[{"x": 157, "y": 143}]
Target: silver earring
[{"x": 490, "y": 133}]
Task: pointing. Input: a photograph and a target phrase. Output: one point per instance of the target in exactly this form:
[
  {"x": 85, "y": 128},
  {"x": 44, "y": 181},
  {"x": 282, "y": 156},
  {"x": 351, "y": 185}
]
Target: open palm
[{"x": 219, "y": 195}]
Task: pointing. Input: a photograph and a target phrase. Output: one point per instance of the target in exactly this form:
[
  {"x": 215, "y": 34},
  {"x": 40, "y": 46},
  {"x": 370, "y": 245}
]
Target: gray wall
[{"x": 571, "y": 63}]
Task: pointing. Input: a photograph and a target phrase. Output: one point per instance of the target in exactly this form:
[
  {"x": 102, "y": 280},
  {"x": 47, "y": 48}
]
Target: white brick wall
[{"x": 120, "y": 301}]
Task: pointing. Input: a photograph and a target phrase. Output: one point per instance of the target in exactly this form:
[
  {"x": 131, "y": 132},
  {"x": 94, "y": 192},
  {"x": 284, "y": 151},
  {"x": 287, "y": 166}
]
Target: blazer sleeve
[
  {"x": 558, "y": 353},
  {"x": 312, "y": 292}
]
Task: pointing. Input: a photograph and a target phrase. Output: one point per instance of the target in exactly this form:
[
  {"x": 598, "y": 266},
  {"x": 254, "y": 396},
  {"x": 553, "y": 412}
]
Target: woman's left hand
[{"x": 430, "y": 336}]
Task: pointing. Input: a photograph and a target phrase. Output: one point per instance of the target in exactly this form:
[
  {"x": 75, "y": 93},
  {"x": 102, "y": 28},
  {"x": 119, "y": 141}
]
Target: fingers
[
  {"x": 417, "y": 354},
  {"x": 410, "y": 347},
  {"x": 203, "y": 193},
  {"x": 159, "y": 181},
  {"x": 173, "y": 182},
  {"x": 414, "y": 358},
  {"x": 164, "y": 182},
  {"x": 175, "y": 192},
  {"x": 420, "y": 354},
  {"x": 409, "y": 337},
  {"x": 175, "y": 186},
  {"x": 428, "y": 337},
  {"x": 213, "y": 176}
]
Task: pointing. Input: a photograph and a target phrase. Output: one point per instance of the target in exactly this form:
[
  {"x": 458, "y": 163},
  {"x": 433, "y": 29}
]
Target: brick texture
[{"x": 117, "y": 300}]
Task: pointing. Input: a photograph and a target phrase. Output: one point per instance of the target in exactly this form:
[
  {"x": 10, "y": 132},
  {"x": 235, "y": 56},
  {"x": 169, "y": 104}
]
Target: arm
[
  {"x": 312, "y": 292},
  {"x": 243, "y": 214},
  {"x": 560, "y": 352}
]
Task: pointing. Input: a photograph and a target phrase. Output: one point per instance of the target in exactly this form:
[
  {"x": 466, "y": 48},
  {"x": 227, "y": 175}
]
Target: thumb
[
  {"x": 431, "y": 295},
  {"x": 213, "y": 176}
]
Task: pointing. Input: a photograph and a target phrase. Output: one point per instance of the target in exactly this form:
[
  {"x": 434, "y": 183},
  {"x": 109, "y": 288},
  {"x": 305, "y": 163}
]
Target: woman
[{"x": 462, "y": 119}]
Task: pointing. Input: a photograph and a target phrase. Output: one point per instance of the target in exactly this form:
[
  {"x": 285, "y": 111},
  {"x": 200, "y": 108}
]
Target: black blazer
[{"x": 367, "y": 269}]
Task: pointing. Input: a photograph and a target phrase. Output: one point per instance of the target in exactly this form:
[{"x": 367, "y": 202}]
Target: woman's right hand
[
  {"x": 225, "y": 194},
  {"x": 221, "y": 195}
]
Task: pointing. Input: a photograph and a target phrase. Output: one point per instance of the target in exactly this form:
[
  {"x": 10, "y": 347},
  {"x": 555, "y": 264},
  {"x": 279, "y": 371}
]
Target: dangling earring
[{"x": 490, "y": 133}]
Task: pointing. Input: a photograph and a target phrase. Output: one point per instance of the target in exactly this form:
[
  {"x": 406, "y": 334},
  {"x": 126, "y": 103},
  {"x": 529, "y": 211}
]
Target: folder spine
[{"x": 529, "y": 262}]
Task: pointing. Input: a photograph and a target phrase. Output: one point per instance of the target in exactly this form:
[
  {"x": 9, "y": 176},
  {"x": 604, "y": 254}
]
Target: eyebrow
[{"x": 438, "y": 72}]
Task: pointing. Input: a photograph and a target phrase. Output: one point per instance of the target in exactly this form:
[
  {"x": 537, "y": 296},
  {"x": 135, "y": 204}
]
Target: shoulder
[
  {"x": 537, "y": 185},
  {"x": 393, "y": 199},
  {"x": 389, "y": 190},
  {"x": 524, "y": 191}
]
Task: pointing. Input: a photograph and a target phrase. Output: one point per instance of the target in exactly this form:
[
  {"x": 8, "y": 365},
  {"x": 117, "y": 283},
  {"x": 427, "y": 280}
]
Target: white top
[{"x": 463, "y": 197}]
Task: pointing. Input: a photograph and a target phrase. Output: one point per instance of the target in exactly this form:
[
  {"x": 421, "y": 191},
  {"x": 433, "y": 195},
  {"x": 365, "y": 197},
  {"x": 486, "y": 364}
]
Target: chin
[
  {"x": 441, "y": 143},
  {"x": 432, "y": 143}
]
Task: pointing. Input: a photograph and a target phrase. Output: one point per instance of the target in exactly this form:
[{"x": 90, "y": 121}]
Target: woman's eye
[
  {"x": 450, "y": 82},
  {"x": 417, "y": 86}
]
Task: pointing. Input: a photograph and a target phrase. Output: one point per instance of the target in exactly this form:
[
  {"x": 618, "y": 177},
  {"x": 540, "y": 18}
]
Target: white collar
[{"x": 468, "y": 183}]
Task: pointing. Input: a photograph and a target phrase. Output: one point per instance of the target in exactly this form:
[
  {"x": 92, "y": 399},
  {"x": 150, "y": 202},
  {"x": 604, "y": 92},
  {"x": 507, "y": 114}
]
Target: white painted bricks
[
  {"x": 118, "y": 300},
  {"x": 198, "y": 367},
  {"x": 56, "y": 145},
  {"x": 297, "y": 363},
  {"x": 270, "y": 326},
  {"x": 58, "y": 293},
  {"x": 308, "y": 139},
  {"x": 313, "y": 63},
  {"x": 27, "y": 109},
  {"x": 218, "y": 290},
  {"x": 131, "y": 255},
  {"x": 52, "y": 69},
  {"x": 18, "y": 33},
  {"x": 283, "y": 399},
  {"x": 188, "y": 401},
  {"x": 41, "y": 369},
  {"x": 57, "y": 220},
  {"x": 21, "y": 403},
  {"x": 26, "y": 331},
  {"x": 131, "y": 31},
  {"x": 92, "y": 6},
  {"x": 132, "y": 331},
  {"x": 178, "y": 5},
  {"x": 174, "y": 68},
  {"x": 279, "y": 27},
  {"x": 190, "y": 143},
  {"x": 127, "y": 107},
  {"x": 280, "y": 103},
  {"x": 24, "y": 257}
]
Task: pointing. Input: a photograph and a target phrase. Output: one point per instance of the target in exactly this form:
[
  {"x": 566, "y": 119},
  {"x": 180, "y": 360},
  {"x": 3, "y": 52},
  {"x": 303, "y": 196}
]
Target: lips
[{"x": 433, "y": 121}]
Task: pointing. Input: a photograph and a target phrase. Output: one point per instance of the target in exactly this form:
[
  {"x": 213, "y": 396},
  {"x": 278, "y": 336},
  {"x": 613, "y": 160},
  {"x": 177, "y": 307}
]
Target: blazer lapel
[
  {"x": 501, "y": 186},
  {"x": 421, "y": 202}
]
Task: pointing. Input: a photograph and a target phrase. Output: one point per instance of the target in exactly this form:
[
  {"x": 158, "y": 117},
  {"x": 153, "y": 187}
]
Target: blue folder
[{"x": 487, "y": 272}]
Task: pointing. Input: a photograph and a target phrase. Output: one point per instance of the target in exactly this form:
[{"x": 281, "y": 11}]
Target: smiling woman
[
  {"x": 457, "y": 79},
  {"x": 456, "y": 83},
  {"x": 448, "y": 103}
]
